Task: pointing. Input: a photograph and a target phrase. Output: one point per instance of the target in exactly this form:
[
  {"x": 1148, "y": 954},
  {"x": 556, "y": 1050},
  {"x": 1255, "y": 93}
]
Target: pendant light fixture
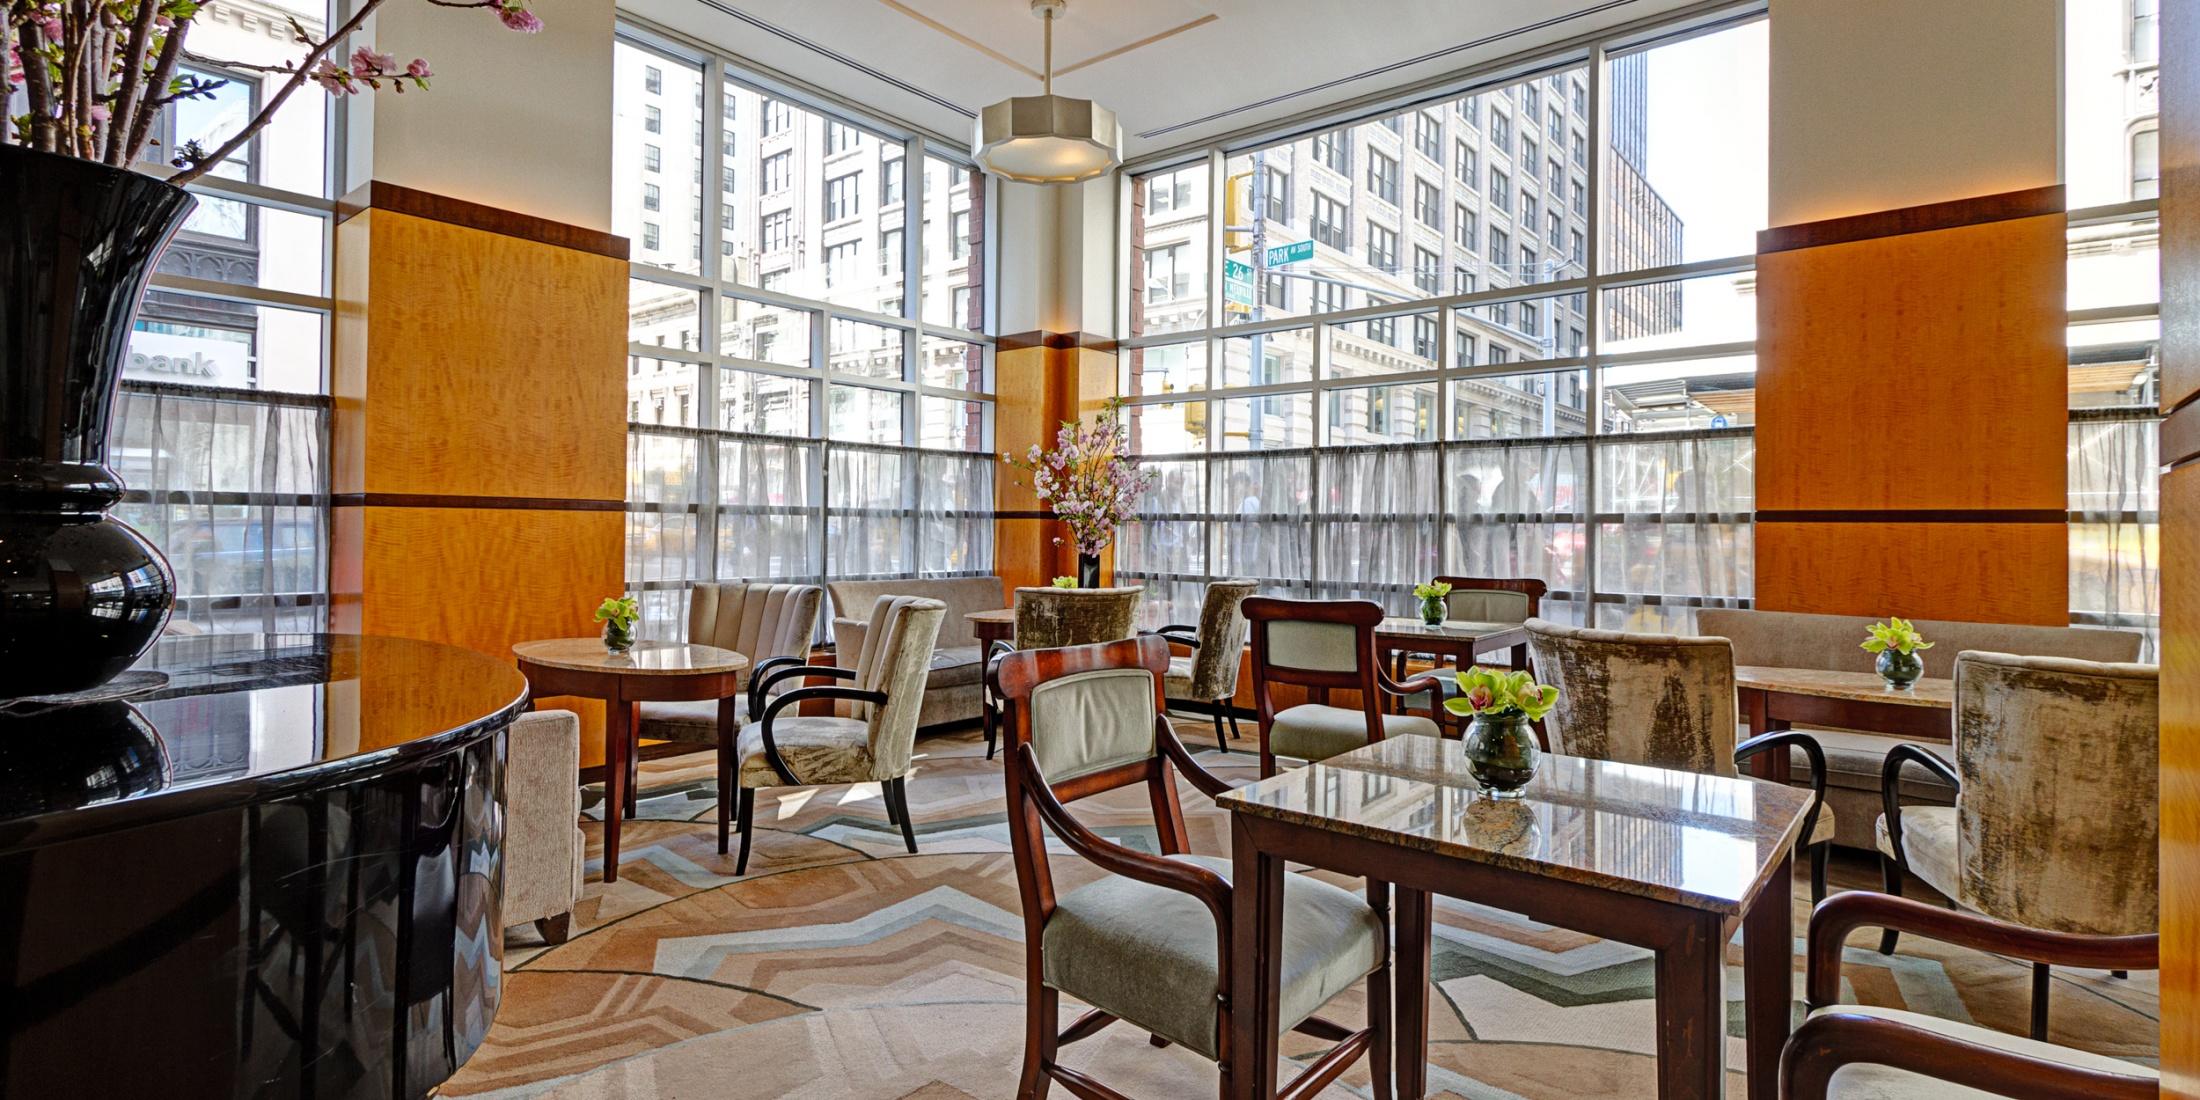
[{"x": 1048, "y": 138}]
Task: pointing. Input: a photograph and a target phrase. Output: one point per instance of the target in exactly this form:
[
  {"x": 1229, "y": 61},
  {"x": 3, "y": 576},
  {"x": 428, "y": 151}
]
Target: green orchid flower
[
  {"x": 1434, "y": 590},
  {"x": 1895, "y": 634},
  {"x": 1501, "y": 693}
]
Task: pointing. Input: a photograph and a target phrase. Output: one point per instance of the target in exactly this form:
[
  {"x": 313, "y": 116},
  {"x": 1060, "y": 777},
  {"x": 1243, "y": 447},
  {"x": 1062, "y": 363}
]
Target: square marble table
[
  {"x": 1778, "y": 698},
  {"x": 1666, "y": 860}
]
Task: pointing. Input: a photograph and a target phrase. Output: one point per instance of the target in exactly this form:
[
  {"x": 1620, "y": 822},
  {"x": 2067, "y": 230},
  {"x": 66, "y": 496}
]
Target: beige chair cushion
[
  {"x": 963, "y": 664},
  {"x": 1092, "y": 721},
  {"x": 818, "y": 749},
  {"x": 1928, "y": 842},
  {"x": 1179, "y": 680},
  {"x": 1147, "y": 954},
  {"x": 1312, "y": 731},
  {"x": 1869, "y": 1082},
  {"x": 693, "y": 720},
  {"x": 1313, "y": 646},
  {"x": 1486, "y": 605},
  {"x": 896, "y": 659},
  {"x": 544, "y": 849}
]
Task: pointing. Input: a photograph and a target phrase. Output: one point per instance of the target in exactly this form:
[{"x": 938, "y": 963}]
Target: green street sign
[
  {"x": 1237, "y": 284},
  {"x": 1290, "y": 253}
]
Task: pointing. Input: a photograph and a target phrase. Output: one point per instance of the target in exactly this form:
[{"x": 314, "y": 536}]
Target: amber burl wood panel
[
  {"x": 1036, "y": 387},
  {"x": 491, "y": 365},
  {"x": 484, "y": 578},
  {"x": 1925, "y": 370},
  {"x": 1969, "y": 572}
]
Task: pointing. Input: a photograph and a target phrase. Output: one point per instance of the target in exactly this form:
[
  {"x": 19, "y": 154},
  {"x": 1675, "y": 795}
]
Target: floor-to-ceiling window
[
  {"x": 2110, "y": 169},
  {"x": 808, "y": 375},
  {"x": 1499, "y": 332},
  {"x": 222, "y": 426}
]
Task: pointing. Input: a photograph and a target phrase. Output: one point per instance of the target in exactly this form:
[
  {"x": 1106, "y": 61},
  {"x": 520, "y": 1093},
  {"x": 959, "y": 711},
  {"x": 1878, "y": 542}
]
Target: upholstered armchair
[
  {"x": 1049, "y": 618},
  {"x": 1667, "y": 701},
  {"x": 545, "y": 853},
  {"x": 1852, "y": 1052},
  {"x": 770, "y": 624},
  {"x": 1324, "y": 645},
  {"x": 1206, "y": 680},
  {"x": 1149, "y": 942},
  {"x": 2055, "y": 821},
  {"x": 872, "y": 741}
]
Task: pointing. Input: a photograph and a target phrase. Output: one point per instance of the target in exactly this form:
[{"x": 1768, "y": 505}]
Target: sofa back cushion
[
  {"x": 1793, "y": 639},
  {"x": 755, "y": 620},
  {"x": 962, "y": 595}
]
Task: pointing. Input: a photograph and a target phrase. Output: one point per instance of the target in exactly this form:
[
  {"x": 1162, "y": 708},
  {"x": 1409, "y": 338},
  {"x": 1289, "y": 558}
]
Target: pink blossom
[
  {"x": 1480, "y": 698},
  {"x": 518, "y": 18},
  {"x": 419, "y": 69},
  {"x": 367, "y": 63},
  {"x": 332, "y": 78}
]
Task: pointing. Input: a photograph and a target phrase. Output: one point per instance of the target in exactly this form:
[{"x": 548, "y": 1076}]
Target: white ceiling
[{"x": 1249, "y": 63}]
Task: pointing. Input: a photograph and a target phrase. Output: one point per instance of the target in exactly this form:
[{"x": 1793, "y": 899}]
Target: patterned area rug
[{"x": 842, "y": 966}]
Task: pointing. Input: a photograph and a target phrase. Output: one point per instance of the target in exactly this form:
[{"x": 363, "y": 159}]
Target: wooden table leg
[
  {"x": 1410, "y": 977},
  {"x": 1691, "y": 1002},
  {"x": 1756, "y": 712},
  {"x": 728, "y": 730},
  {"x": 1520, "y": 657},
  {"x": 1256, "y": 966},
  {"x": 633, "y": 759},
  {"x": 615, "y": 735},
  {"x": 1768, "y": 978}
]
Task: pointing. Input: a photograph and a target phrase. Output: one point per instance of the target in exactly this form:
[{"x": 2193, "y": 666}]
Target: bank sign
[{"x": 192, "y": 360}]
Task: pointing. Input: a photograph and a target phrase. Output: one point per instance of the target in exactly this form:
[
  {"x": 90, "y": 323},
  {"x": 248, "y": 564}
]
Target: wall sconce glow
[{"x": 1048, "y": 138}]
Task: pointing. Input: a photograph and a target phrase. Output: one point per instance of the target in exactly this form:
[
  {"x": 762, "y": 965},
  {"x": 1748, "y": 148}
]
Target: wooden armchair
[
  {"x": 1149, "y": 943},
  {"x": 1323, "y": 645},
  {"x": 1895, "y": 1053}
]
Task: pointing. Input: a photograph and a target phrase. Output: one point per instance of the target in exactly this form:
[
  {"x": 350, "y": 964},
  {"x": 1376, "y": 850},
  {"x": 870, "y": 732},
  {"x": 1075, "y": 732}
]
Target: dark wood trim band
[
  {"x": 377, "y": 195},
  {"x": 1058, "y": 341},
  {"x": 443, "y": 500},
  {"x": 1023, "y": 515},
  {"x": 2180, "y": 438},
  {"x": 1955, "y": 213},
  {"x": 1916, "y": 515}
]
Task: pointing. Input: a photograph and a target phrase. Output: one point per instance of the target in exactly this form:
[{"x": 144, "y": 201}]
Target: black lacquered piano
[{"x": 272, "y": 871}]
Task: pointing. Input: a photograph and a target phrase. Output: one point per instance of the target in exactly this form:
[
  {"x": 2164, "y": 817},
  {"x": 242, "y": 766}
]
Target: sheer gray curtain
[
  {"x": 232, "y": 485},
  {"x": 707, "y": 505},
  {"x": 1164, "y": 550},
  {"x": 1375, "y": 529},
  {"x": 1263, "y": 502},
  {"x": 871, "y": 511},
  {"x": 2115, "y": 521},
  {"x": 1515, "y": 508},
  {"x": 1674, "y": 512},
  {"x": 954, "y": 513}
]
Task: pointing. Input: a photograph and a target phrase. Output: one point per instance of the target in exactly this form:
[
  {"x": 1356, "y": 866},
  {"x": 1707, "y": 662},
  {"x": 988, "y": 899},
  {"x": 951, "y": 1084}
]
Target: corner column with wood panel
[{"x": 479, "y": 434}]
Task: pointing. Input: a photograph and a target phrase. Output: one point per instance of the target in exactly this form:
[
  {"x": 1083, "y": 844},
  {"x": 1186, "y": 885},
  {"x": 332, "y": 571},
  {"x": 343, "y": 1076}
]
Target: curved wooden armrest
[
  {"x": 1813, "y": 753},
  {"x": 1211, "y": 889},
  {"x": 1427, "y": 681},
  {"x": 792, "y": 698},
  {"x": 1845, "y": 912},
  {"x": 1204, "y": 781},
  {"x": 761, "y": 684},
  {"x": 1827, "y": 1042},
  {"x": 1177, "y": 634},
  {"x": 1890, "y": 786}
]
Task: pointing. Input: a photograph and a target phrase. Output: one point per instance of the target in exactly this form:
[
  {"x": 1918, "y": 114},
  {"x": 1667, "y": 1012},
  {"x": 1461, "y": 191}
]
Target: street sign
[
  {"x": 1237, "y": 286},
  {"x": 1290, "y": 253}
]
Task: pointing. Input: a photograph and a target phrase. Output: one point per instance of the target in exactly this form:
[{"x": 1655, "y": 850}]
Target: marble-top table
[
  {"x": 656, "y": 672},
  {"x": 1780, "y": 698},
  {"x": 1665, "y": 860}
]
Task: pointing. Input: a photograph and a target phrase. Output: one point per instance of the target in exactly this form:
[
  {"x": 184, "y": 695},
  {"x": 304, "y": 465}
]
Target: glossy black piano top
[{"x": 242, "y": 716}]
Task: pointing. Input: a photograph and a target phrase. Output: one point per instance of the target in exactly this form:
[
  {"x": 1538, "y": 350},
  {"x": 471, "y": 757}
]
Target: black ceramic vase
[
  {"x": 1088, "y": 570},
  {"x": 81, "y": 593}
]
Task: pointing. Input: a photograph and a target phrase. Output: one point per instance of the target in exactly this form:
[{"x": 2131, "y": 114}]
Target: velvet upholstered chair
[
  {"x": 1206, "y": 679},
  {"x": 1853, "y": 1052},
  {"x": 1050, "y": 618},
  {"x": 1149, "y": 943},
  {"x": 870, "y": 741},
  {"x": 1322, "y": 646},
  {"x": 545, "y": 853},
  {"x": 770, "y": 624},
  {"x": 1667, "y": 701},
  {"x": 2055, "y": 821}
]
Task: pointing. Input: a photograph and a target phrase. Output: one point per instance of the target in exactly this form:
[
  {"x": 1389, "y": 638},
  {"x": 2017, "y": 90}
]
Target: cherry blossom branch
[{"x": 205, "y": 163}]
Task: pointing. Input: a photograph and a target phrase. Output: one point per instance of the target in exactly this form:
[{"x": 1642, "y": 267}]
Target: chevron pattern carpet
[{"x": 841, "y": 966}]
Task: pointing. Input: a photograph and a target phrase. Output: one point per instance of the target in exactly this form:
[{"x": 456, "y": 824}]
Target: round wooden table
[{"x": 651, "y": 672}]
